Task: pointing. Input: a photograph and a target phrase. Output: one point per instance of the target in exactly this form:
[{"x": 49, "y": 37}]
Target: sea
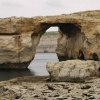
[{"x": 36, "y": 68}]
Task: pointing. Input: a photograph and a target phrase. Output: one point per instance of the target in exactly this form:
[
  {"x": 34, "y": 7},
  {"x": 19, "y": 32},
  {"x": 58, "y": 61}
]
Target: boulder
[{"x": 73, "y": 70}]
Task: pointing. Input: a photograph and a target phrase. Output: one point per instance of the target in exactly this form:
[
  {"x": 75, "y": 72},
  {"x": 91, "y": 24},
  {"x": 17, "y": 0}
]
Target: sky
[{"x": 31, "y": 8}]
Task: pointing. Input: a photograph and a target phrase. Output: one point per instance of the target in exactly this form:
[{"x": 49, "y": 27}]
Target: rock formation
[
  {"x": 73, "y": 70},
  {"x": 79, "y": 37}
]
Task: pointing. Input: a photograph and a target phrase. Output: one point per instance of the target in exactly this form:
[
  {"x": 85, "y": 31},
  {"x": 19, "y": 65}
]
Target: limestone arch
[{"x": 68, "y": 32}]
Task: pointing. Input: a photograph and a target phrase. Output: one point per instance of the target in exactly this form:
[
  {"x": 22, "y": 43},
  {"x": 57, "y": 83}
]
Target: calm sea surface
[{"x": 36, "y": 68}]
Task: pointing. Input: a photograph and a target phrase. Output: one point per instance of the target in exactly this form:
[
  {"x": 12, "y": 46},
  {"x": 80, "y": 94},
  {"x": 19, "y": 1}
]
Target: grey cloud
[
  {"x": 54, "y": 4},
  {"x": 9, "y": 8},
  {"x": 10, "y": 4}
]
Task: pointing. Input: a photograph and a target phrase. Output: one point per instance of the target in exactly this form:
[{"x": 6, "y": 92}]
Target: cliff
[
  {"x": 48, "y": 42},
  {"x": 79, "y": 37}
]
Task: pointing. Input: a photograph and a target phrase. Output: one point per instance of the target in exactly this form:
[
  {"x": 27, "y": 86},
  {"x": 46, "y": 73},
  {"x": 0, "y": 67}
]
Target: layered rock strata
[
  {"x": 79, "y": 37},
  {"x": 47, "y": 44},
  {"x": 73, "y": 70}
]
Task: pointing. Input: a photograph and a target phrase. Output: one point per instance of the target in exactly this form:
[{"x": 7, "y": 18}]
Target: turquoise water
[{"x": 36, "y": 68}]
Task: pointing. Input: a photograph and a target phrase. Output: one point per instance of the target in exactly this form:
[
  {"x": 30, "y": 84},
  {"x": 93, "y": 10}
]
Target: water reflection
[
  {"x": 6, "y": 74},
  {"x": 39, "y": 63},
  {"x": 37, "y": 67}
]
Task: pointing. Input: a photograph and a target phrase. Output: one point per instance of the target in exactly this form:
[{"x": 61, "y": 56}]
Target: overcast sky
[{"x": 30, "y": 8}]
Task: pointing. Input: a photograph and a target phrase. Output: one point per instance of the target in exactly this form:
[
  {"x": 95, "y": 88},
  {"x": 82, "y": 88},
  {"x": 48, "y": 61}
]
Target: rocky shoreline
[
  {"x": 40, "y": 88},
  {"x": 79, "y": 38}
]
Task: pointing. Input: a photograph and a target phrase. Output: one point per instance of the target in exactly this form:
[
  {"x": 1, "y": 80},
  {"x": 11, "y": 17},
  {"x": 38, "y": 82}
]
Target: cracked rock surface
[{"x": 37, "y": 88}]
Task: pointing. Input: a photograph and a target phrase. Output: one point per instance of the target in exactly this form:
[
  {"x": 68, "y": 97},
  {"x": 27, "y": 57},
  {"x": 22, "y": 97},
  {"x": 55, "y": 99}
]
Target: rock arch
[{"x": 79, "y": 38}]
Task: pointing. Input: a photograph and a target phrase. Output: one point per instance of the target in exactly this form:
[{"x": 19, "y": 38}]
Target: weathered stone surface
[
  {"x": 36, "y": 88},
  {"x": 73, "y": 70},
  {"x": 79, "y": 37}
]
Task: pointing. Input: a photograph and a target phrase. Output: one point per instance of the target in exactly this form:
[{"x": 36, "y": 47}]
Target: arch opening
[
  {"x": 45, "y": 51},
  {"x": 48, "y": 41}
]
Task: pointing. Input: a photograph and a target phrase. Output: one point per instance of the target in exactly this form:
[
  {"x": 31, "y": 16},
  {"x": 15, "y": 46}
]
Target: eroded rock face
[
  {"x": 79, "y": 37},
  {"x": 73, "y": 70}
]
